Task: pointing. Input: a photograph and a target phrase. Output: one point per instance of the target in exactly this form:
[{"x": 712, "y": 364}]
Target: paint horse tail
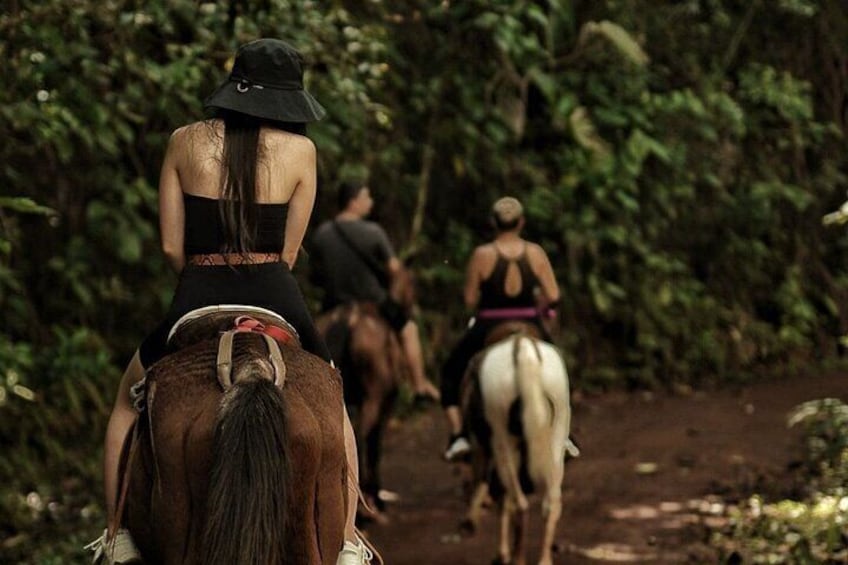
[
  {"x": 248, "y": 490},
  {"x": 536, "y": 408}
]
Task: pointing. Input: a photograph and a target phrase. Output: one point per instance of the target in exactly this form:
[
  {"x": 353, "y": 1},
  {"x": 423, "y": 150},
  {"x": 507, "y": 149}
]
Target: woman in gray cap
[{"x": 236, "y": 193}]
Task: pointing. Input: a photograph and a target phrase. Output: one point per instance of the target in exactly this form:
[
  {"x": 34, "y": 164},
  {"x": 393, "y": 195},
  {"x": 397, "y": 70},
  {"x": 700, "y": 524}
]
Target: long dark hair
[{"x": 240, "y": 159}]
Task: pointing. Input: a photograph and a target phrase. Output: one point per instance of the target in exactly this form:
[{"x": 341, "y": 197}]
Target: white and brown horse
[{"x": 518, "y": 409}]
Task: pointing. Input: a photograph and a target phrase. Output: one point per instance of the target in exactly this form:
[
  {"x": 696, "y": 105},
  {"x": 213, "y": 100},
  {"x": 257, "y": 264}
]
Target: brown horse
[
  {"x": 252, "y": 474},
  {"x": 371, "y": 359}
]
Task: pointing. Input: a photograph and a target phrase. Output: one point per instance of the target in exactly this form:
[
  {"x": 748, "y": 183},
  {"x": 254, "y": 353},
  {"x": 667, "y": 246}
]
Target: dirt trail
[{"x": 708, "y": 448}]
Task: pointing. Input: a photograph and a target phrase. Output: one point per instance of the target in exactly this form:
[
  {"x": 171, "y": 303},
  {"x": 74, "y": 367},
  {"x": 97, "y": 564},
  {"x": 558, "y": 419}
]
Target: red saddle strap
[{"x": 248, "y": 324}]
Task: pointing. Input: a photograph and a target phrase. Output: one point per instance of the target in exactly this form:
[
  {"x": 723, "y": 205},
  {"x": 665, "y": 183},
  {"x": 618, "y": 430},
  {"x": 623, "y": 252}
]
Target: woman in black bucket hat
[
  {"x": 236, "y": 192},
  {"x": 266, "y": 82}
]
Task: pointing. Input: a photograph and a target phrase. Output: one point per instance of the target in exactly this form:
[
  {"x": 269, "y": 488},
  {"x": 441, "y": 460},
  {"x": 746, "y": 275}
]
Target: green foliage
[
  {"x": 787, "y": 531},
  {"x": 824, "y": 424},
  {"x": 811, "y": 530},
  {"x": 53, "y": 410}
]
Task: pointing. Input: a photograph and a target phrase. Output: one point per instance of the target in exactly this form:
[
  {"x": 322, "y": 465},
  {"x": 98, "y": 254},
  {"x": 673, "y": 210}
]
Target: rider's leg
[
  {"x": 454, "y": 417},
  {"x": 453, "y": 371},
  {"x": 458, "y": 444},
  {"x": 352, "y": 478},
  {"x": 120, "y": 422},
  {"x": 411, "y": 342},
  {"x": 354, "y": 551},
  {"x": 121, "y": 549}
]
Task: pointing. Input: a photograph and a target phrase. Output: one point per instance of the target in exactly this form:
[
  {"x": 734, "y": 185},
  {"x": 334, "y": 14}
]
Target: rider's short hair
[
  {"x": 507, "y": 213},
  {"x": 348, "y": 190}
]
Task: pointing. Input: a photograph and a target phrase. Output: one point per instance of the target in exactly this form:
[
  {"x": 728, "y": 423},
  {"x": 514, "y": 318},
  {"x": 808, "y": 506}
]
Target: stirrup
[{"x": 121, "y": 550}]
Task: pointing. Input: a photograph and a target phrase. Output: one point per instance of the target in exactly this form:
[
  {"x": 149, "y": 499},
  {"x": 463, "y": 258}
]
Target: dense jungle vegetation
[{"x": 675, "y": 158}]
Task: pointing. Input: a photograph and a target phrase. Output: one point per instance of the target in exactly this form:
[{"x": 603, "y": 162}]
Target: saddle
[
  {"x": 228, "y": 319},
  {"x": 210, "y": 321}
]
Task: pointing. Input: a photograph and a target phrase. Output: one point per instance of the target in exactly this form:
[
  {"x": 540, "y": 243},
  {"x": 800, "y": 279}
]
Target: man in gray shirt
[{"x": 354, "y": 260}]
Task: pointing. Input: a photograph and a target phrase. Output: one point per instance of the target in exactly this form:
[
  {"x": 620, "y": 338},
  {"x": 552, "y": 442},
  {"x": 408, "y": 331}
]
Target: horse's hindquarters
[
  {"x": 169, "y": 485},
  {"x": 530, "y": 442}
]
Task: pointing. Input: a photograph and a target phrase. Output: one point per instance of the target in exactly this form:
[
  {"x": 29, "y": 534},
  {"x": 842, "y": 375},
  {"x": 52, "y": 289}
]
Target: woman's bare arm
[
  {"x": 171, "y": 205},
  {"x": 544, "y": 271},
  {"x": 473, "y": 276},
  {"x": 301, "y": 203}
]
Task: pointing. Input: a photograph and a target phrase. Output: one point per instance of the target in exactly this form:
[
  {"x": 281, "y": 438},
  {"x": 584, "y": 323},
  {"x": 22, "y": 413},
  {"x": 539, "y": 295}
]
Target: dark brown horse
[
  {"x": 252, "y": 474},
  {"x": 369, "y": 353}
]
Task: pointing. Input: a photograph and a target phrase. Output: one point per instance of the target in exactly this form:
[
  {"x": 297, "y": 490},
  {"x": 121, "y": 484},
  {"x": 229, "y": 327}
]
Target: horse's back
[{"x": 166, "y": 507}]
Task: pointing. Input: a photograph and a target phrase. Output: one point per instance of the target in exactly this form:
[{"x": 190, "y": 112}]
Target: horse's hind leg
[
  {"x": 551, "y": 509},
  {"x": 519, "y": 540},
  {"x": 504, "y": 547},
  {"x": 506, "y": 461},
  {"x": 475, "y": 508},
  {"x": 513, "y": 528}
]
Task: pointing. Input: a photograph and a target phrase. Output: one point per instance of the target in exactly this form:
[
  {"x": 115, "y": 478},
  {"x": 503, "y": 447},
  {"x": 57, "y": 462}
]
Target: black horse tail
[{"x": 248, "y": 489}]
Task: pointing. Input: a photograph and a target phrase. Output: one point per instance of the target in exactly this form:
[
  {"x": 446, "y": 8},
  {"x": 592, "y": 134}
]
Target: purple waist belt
[{"x": 504, "y": 313}]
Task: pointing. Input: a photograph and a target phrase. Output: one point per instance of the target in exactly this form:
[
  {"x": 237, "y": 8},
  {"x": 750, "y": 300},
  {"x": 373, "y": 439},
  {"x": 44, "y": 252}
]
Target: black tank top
[
  {"x": 204, "y": 232},
  {"x": 493, "y": 289}
]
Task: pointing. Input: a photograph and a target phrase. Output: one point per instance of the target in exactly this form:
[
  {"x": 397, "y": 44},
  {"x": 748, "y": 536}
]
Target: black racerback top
[
  {"x": 204, "y": 232},
  {"x": 492, "y": 290}
]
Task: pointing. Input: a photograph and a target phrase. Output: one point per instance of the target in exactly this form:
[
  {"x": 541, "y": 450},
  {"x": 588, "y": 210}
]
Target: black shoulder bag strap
[{"x": 380, "y": 273}]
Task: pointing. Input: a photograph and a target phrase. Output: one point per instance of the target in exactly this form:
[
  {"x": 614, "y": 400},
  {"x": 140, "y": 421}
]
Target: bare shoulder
[
  {"x": 191, "y": 138},
  {"x": 484, "y": 254},
  {"x": 485, "y": 250},
  {"x": 536, "y": 253},
  {"x": 193, "y": 130},
  {"x": 292, "y": 143}
]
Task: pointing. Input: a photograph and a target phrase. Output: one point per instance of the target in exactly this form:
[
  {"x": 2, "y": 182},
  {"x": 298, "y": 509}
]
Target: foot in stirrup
[
  {"x": 120, "y": 551},
  {"x": 355, "y": 553},
  {"x": 458, "y": 448}
]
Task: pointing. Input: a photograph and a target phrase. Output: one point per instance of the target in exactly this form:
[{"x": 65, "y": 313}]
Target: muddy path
[{"x": 655, "y": 470}]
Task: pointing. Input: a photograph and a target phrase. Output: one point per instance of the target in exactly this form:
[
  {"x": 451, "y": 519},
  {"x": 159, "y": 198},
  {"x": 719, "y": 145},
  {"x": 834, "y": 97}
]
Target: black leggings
[{"x": 267, "y": 285}]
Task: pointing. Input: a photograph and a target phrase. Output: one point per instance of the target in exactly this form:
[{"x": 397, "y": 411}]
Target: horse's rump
[
  {"x": 365, "y": 348},
  {"x": 471, "y": 403},
  {"x": 166, "y": 509}
]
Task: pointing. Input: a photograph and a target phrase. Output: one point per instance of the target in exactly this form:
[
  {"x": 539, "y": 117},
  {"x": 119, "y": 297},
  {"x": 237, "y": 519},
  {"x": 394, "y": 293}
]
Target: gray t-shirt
[{"x": 341, "y": 271}]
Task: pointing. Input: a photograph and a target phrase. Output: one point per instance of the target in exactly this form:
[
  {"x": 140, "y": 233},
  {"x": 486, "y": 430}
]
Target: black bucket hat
[{"x": 267, "y": 82}]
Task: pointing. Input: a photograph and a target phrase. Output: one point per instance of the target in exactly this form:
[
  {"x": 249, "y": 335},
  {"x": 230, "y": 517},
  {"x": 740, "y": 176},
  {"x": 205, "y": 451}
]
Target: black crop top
[
  {"x": 493, "y": 289},
  {"x": 205, "y": 234}
]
